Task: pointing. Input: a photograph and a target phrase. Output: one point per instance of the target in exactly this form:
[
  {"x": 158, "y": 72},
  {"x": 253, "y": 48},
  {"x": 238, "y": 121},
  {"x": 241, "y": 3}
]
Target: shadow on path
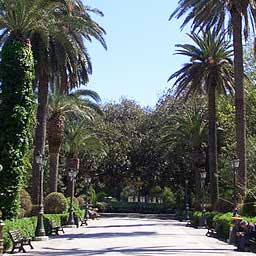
[{"x": 158, "y": 250}]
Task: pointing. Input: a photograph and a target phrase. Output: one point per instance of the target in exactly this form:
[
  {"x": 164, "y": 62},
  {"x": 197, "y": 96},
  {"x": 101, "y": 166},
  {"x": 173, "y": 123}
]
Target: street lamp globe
[
  {"x": 1, "y": 167},
  {"x": 39, "y": 158},
  {"x": 87, "y": 179},
  {"x": 72, "y": 174},
  {"x": 203, "y": 175},
  {"x": 235, "y": 163}
]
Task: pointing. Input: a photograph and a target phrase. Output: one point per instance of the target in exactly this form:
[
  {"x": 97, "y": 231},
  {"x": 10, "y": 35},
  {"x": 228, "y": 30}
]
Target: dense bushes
[{"x": 55, "y": 203}]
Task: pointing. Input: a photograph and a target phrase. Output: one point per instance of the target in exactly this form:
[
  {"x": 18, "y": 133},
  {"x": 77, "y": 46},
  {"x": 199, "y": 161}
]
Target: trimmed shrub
[
  {"x": 34, "y": 210},
  {"x": 25, "y": 202},
  {"x": 77, "y": 210},
  {"x": 81, "y": 202},
  {"x": 55, "y": 203}
]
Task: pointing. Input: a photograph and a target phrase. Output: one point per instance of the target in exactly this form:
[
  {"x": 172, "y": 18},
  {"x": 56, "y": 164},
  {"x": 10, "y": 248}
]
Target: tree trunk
[
  {"x": 54, "y": 167},
  {"x": 40, "y": 132},
  {"x": 55, "y": 136},
  {"x": 239, "y": 101},
  {"x": 212, "y": 145}
]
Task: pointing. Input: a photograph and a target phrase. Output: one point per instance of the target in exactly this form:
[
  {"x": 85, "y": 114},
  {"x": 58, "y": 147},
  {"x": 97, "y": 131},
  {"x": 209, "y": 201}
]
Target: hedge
[
  {"x": 125, "y": 207},
  {"x": 28, "y": 226},
  {"x": 222, "y": 221}
]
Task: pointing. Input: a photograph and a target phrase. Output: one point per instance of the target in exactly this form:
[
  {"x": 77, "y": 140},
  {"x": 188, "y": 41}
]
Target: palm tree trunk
[
  {"x": 55, "y": 136},
  {"x": 239, "y": 101},
  {"x": 40, "y": 132},
  {"x": 212, "y": 145},
  {"x": 54, "y": 167}
]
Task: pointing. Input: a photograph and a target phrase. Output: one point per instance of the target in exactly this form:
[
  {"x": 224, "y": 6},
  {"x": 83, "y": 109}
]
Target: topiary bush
[
  {"x": 55, "y": 203},
  {"x": 81, "y": 202},
  {"x": 25, "y": 202}
]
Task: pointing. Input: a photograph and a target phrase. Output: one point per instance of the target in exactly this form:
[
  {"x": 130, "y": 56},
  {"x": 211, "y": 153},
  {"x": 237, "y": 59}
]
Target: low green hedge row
[
  {"x": 28, "y": 226},
  {"x": 125, "y": 207},
  {"x": 219, "y": 220}
]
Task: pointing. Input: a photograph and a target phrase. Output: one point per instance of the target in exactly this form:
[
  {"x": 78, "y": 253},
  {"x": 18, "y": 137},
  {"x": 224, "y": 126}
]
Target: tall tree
[
  {"x": 18, "y": 20},
  {"x": 63, "y": 60},
  {"x": 79, "y": 138},
  {"x": 209, "y": 71},
  {"x": 59, "y": 107},
  {"x": 236, "y": 11},
  {"x": 189, "y": 129}
]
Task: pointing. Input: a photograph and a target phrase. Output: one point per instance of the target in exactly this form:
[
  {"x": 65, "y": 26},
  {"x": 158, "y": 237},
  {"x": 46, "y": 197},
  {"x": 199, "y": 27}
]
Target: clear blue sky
[{"x": 141, "y": 42}]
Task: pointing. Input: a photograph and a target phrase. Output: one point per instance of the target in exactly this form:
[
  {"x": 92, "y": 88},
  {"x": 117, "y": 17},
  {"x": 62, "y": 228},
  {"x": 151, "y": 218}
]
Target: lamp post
[
  {"x": 186, "y": 200},
  {"x": 87, "y": 183},
  {"x": 203, "y": 218},
  {"x": 40, "y": 230},
  {"x": 234, "y": 165},
  {"x": 72, "y": 175}
]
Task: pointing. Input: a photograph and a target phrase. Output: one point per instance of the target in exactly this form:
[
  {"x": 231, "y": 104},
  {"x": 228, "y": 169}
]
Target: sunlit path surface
[{"x": 133, "y": 236}]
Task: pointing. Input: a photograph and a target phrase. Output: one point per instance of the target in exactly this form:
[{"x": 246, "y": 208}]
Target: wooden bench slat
[{"x": 18, "y": 240}]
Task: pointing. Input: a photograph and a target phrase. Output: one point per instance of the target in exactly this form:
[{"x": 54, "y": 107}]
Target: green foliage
[
  {"x": 93, "y": 195},
  {"x": 101, "y": 196},
  {"x": 102, "y": 206},
  {"x": 155, "y": 191},
  {"x": 81, "y": 202},
  {"x": 26, "y": 225},
  {"x": 55, "y": 203},
  {"x": 16, "y": 120},
  {"x": 168, "y": 197},
  {"x": 249, "y": 205},
  {"x": 77, "y": 210},
  {"x": 128, "y": 191},
  {"x": 25, "y": 202}
]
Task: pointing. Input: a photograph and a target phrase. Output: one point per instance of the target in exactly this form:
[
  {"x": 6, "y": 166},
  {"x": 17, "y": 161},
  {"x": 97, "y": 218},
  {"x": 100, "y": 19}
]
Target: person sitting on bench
[{"x": 246, "y": 232}]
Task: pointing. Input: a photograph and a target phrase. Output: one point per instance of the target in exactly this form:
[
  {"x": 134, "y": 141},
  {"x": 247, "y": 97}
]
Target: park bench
[
  {"x": 19, "y": 241},
  {"x": 252, "y": 244},
  {"x": 84, "y": 222},
  {"x": 54, "y": 228},
  {"x": 212, "y": 230}
]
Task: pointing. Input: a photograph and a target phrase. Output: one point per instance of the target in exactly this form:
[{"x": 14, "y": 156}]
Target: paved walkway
[{"x": 133, "y": 236}]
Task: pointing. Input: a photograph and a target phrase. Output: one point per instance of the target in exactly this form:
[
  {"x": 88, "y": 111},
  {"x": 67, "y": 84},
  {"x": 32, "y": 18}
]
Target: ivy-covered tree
[{"x": 20, "y": 19}]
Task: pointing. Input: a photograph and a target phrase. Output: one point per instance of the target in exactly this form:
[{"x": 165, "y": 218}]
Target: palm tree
[
  {"x": 18, "y": 21},
  {"x": 79, "y": 137},
  {"x": 63, "y": 61},
  {"x": 236, "y": 11},
  {"x": 209, "y": 71},
  {"x": 189, "y": 130},
  {"x": 59, "y": 107}
]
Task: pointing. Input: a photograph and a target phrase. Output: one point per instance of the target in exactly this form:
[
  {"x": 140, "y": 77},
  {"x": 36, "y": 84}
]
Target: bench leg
[
  {"x": 22, "y": 248},
  {"x": 31, "y": 246}
]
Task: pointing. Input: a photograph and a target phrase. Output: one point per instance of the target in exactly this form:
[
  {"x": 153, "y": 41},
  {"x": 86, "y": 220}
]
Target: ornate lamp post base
[
  {"x": 41, "y": 238},
  {"x": 69, "y": 226}
]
